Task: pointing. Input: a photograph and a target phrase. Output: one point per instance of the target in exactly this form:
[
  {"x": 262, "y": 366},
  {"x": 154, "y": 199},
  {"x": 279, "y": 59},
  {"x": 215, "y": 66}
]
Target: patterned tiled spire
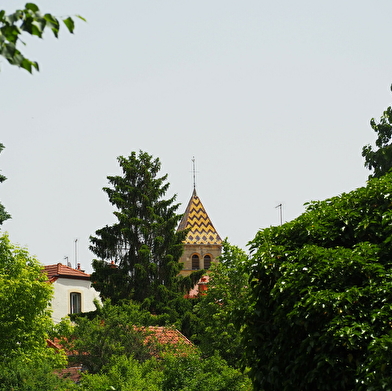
[{"x": 201, "y": 229}]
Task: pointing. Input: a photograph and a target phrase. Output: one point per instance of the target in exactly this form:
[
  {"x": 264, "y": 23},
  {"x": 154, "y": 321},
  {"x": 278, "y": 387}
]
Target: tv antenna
[
  {"x": 68, "y": 263},
  {"x": 76, "y": 253},
  {"x": 280, "y": 206}
]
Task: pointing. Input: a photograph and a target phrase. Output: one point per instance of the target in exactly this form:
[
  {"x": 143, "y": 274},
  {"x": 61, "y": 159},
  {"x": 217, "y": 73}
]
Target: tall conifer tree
[{"x": 138, "y": 255}]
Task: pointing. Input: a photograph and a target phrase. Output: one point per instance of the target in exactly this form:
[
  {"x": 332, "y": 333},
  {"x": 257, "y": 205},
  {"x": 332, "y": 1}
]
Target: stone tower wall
[{"x": 214, "y": 250}]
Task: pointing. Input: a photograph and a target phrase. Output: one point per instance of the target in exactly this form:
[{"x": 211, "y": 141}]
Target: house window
[
  {"x": 75, "y": 303},
  {"x": 195, "y": 262},
  {"x": 207, "y": 262}
]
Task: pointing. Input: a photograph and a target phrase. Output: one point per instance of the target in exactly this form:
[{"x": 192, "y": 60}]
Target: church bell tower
[{"x": 202, "y": 245}]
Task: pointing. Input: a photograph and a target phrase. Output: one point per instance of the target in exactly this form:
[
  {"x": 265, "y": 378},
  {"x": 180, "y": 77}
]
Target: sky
[{"x": 272, "y": 98}]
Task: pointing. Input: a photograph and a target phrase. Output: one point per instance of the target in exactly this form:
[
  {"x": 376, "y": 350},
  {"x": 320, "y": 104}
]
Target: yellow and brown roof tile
[{"x": 201, "y": 229}]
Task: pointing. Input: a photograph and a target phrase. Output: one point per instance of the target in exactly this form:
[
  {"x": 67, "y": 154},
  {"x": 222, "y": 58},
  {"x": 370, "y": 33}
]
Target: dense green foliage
[
  {"x": 143, "y": 244},
  {"x": 31, "y": 21},
  {"x": 112, "y": 331},
  {"x": 227, "y": 293},
  {"x": 192, "y": 373},
  {"x": 126, "y": 355},
  {"x": 22, "y": 375},
  {"x": 124, "y": 373},
  {"x": 174, "y": 373},
  {"x": 322, "y": 296},
  {"x": 24, "y": 321},
  {"x": 24, "y": 298},
  {"x": 3, "y": 214},
  {"x": 380, "y": 160}
]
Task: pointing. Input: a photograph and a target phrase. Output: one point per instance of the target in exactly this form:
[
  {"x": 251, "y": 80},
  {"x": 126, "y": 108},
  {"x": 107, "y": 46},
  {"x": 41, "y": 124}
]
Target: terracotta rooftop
[
  {"x": 163, "y": 335},
  {"x": 59, "y": 270},
  {"x": 167, "y": 335},
  {"x": 201, "y": 229}
]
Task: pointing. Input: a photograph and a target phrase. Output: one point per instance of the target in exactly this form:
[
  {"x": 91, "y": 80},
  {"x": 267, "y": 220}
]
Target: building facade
[{"x": 73, "y": 292}]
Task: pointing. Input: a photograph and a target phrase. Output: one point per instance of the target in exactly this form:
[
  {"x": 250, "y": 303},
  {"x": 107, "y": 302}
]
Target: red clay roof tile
[
  {"x": 167, "y": 335},
  {"x": 60, "y": 270}
]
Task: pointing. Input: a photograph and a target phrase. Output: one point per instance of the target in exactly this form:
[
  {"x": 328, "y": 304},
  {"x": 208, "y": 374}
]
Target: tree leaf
[
  {"x": 70, "y": 24},
  {"x": 31, "y": 6},
  {"x": 81, "y": 17}
]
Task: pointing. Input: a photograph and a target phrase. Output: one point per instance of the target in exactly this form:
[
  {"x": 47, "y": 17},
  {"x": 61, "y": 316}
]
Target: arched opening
[
  {"x": 195, "y": 262},
  {"x": 207, "y": 262}
]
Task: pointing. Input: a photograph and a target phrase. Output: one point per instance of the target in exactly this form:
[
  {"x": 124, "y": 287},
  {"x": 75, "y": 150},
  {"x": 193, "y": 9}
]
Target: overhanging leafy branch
[{"x": 28, "y": 20}]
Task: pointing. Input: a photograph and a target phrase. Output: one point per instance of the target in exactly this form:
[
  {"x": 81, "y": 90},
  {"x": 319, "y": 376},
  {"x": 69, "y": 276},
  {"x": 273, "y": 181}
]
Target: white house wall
[{"x": 63, "y": 287}]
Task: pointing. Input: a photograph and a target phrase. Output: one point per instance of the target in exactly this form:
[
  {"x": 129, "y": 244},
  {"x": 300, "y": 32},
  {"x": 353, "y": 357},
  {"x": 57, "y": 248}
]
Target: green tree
[
  {"x": 124, "y": 355},
  {"x": 24, "y": 317},
  {"x": 143, "y": 244},
  {"x": 124, "y": 373},
  {"x": 31, "y": 21},
  {"x": 321, "y": 296},
  {"x": 193, "y": 373},
  {"x": 112, "y": 331},
  {"x": 380, "y": 159},
  {"x": 17, "y": 375},
  {"x": 175, "y": 372},
  {"x": 3, "y": 214},
  {"x": 228, "y": 289}
]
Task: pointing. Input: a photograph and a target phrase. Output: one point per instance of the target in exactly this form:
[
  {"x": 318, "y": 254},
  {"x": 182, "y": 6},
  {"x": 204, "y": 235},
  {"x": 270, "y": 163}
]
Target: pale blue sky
[{"x": 273, "y": 98}]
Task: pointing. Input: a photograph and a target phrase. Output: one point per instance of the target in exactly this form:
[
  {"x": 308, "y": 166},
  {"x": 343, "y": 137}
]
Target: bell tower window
[
  {"x": 207, "y": 262},
  {"x": 195, "y": 262}
]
